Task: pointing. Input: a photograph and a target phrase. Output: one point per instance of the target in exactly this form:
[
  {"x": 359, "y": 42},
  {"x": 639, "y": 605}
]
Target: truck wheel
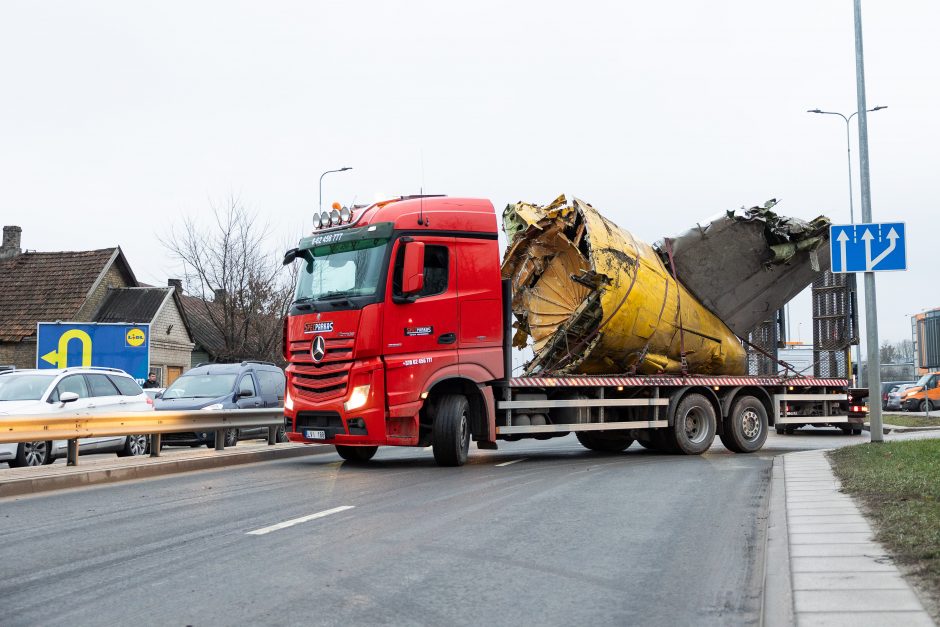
[
  {"x": 356, "y": 453},
  {"x": 451, "y": 431},
  {"x": 603, "y": 443},
  {"x": 745, "y": 428},
  {"x": 694, "y": 426}
]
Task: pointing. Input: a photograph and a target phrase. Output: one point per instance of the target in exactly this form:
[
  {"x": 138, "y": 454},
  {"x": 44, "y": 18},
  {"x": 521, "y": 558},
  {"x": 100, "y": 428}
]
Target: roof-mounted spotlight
[
  {"x": 345, "y": 215},
  {"x": 334, "y": 217},
  {"x": 324, "y": 220}
]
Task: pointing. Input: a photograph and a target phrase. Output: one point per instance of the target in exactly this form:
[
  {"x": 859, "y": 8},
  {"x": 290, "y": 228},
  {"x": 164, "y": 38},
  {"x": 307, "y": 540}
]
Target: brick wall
[
  {"x": 21, "y": 355},
  {"x": 173, "y": 348},
  {"x": 113, "y": 278}
]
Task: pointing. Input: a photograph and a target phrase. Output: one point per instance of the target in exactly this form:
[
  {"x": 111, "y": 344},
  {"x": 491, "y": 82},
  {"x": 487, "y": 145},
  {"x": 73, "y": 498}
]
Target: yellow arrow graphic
[{"x": 59, "y": 358}]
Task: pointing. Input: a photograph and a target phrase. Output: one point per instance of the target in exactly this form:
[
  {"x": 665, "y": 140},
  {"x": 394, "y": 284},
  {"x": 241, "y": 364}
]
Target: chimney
[
  {"x": 11, "y": 242},
  {"x": 176, "y": 284},
  {"x": 219, "y": 295}
]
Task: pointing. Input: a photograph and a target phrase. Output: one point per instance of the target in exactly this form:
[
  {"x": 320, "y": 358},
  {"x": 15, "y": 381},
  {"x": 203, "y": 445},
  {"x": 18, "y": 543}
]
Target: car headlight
[
  {"x": 358, "y": 398},
  {"x": 213, "y": 407}
]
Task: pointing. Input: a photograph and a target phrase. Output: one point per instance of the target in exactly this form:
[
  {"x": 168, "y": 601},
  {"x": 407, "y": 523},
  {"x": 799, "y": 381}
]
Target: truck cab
[{"x": 396, "y": 329}]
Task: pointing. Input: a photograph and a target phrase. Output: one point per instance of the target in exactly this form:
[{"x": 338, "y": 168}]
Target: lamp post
[
  {"x": 343, "y": 169},
  {"x": 848, "y": 150},
  {"x": 848, "y": 146}
]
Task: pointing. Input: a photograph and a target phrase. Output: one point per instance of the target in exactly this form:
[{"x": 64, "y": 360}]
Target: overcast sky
[{"x": 119, "y": 119}]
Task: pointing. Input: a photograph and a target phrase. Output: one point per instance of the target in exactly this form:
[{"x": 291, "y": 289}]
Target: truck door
[{"x": 420, "y": 337}]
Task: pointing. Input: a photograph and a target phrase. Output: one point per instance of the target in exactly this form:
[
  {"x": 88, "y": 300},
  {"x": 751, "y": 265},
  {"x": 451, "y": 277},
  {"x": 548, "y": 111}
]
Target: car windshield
[
  {"x": 923, "y": 380},
  {"x": 24, "y": 387},
  {"x": 201, "y": 386},
  {"x": 342, "y": 270}
]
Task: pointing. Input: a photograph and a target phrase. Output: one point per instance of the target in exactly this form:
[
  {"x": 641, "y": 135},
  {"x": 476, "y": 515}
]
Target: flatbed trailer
[{"x": 621, "y": 409}]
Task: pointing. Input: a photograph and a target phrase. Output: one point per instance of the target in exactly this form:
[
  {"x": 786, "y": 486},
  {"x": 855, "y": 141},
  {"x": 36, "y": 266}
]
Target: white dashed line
[
  {"x": 521, "y": 459},
  {"x": 297, "y": 521}
]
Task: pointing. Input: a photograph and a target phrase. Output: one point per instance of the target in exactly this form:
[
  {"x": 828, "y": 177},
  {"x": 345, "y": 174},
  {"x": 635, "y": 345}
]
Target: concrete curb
[
  {"x": 777, "y": 603},
  {"x": 895, "y": 429},
  {"x": 47, "y": 478}
]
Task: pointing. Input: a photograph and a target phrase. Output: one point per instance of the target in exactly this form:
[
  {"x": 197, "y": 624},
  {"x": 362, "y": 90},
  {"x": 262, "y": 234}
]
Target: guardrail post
[
  {"x": 220, "y": 440},
  {"x": 272, "y": 435},
  {"x": 155, "y": 442},
  {"x": 72, "y": 459}
]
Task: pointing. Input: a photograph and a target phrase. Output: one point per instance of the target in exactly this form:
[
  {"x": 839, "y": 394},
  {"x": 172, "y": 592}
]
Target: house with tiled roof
[
  {"x": 83, "y": 286},
  {"x": 46, "y": 287}
]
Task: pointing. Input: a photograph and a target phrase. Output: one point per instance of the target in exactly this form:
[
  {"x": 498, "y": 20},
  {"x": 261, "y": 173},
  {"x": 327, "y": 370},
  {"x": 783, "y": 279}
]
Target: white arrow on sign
[
  {"x": 892, "y": 244},
  {"x": 842, "y": 239}
]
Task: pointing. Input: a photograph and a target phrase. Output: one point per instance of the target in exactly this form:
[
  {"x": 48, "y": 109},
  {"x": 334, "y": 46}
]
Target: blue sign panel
[
  {"x": 124, "y": 346},
  {"x": 868, "y": 247}
]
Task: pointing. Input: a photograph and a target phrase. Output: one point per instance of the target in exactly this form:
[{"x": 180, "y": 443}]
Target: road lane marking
[
  {"x": 521, "y": 459},
  {"x": 297, "y": 521}
]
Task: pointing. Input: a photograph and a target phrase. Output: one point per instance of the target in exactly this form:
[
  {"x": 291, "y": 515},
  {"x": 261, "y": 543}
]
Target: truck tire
[
  {"x": 356, "y": 453},
  {"x": 450, "y": 433},
  {"x": 744, "y": 430},
  {"x": 693, "y": 428},
  {"x": 604, "y": 442}
]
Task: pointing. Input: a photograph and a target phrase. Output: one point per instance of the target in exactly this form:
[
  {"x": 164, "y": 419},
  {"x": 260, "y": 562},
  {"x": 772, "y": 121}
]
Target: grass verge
[
  {"x": 910, "y": 420},
  {"x": 899, "y": 483}
]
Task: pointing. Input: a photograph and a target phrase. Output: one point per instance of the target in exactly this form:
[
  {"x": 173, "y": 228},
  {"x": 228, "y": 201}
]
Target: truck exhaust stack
[{"x": 597, "y": 301}]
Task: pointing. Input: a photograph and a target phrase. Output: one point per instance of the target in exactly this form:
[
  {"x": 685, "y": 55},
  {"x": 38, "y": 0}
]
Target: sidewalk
[{"x": 839, "y": 574}]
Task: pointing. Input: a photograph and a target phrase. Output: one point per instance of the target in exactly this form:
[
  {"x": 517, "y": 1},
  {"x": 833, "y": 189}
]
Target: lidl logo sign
[
  {"x": 65, "y": 344},
  {"x": 136, "y": 337}
]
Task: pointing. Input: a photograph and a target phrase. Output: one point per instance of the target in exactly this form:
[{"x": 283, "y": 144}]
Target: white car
[{"x": 74, "y": 391}]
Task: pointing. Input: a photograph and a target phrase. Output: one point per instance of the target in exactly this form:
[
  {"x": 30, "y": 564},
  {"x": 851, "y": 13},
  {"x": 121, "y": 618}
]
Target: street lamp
[
  {"x": 848, "y": 145},
  {"x": 321, "y": 184}
]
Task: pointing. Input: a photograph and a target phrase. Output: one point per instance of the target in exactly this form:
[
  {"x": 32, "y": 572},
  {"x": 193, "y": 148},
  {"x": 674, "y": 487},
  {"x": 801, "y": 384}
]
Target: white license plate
[{"x": 315, "y": 434}]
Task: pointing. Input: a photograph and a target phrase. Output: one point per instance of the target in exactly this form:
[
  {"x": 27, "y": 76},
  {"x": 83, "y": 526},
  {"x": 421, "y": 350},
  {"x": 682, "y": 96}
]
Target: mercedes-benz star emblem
[{"x": 318, "y": 349}]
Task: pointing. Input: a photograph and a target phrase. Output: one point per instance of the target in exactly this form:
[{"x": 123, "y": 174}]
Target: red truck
[{"x": 400, "y": 335}]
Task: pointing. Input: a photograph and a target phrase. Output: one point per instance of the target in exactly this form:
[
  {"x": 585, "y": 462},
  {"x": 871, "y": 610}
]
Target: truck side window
[{"x": 435, "y": 270}]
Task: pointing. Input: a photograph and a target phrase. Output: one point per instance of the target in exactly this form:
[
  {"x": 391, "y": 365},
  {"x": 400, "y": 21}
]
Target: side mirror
[
  {"x": 243, "y": 393},
  {"x": 412, "y": 277},
  {"x": 290, "y": 255},
  {"x": 158, "y": 395},
  {"x": 68, "y": 397}
]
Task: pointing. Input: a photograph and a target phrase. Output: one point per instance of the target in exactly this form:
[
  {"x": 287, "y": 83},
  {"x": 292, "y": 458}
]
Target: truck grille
[{"x": 327, "y": 379}]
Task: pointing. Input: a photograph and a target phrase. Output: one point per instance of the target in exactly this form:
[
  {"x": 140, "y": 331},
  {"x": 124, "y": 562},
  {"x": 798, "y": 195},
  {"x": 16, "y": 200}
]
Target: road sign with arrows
[{"x": 867, "y": 247}]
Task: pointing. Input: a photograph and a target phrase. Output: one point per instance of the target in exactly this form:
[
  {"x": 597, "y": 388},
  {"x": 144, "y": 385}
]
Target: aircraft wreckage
[{"x": 595, "y": 300}]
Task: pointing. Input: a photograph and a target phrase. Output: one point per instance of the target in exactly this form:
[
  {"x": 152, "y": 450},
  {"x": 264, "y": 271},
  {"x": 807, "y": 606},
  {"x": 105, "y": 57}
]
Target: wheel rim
[
  {"x": 464, "y": 431},
  {"x": 34, "y": 453},
  {"x": 137, "y": 444},
  {"x": 696, "y": 426},
  {"x": 750, "y": 424}
]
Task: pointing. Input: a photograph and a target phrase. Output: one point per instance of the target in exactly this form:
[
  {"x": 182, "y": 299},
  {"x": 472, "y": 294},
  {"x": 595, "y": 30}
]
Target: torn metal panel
[
  {"x": 746, "y": 264},
  {"x": 595, "y": 300}
]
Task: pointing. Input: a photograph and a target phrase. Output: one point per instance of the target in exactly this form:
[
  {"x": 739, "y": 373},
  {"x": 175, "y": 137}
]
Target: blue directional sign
[
  {"x": 868, "y": 247},
  {"x": 124, "y": 346}
]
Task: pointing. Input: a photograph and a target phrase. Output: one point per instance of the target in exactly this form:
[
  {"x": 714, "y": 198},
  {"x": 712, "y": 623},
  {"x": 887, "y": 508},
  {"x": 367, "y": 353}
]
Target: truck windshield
[{"x": 343, "y": 269}]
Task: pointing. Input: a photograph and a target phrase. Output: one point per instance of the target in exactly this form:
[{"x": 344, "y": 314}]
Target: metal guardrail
[{"x": 72, "y": 427}]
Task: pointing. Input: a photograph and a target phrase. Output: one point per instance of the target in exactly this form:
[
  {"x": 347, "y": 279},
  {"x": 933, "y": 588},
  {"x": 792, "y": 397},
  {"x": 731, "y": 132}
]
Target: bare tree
[{"x": 243, "y": 288}]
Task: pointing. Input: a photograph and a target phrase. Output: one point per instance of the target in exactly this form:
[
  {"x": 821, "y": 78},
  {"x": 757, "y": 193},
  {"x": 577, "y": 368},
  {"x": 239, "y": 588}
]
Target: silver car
[
  {"x": 74, "y": 391},
  {"x": 894, "y": 396}
]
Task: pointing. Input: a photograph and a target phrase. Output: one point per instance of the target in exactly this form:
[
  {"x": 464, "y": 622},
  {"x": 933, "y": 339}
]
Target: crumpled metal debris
[
  {"x": 595, "y": 300},
  {"x": 744, "y": 265}
]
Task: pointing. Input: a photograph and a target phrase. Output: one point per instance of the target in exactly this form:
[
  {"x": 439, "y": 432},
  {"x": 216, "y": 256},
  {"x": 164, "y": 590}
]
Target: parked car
[
  {"x": 894, "y": 396},
  {"x": 154, "y": 393},
  {"x": 245, "y": 385},
  {"x": 924, "y": 395},
  {"x": 70, "y": 391},
  {"x": 886, "y": 387}
]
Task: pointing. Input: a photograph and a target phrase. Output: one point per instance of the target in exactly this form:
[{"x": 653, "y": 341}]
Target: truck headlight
[
  {"x": 213, "y": 407},
  {"x": 358, "y": 398},
  {"x": 288, "y": 401}
]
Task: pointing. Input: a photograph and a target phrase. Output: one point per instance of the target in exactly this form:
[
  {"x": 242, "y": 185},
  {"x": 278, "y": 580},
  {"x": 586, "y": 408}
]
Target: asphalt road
[{"x": 535, "y": 533}]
